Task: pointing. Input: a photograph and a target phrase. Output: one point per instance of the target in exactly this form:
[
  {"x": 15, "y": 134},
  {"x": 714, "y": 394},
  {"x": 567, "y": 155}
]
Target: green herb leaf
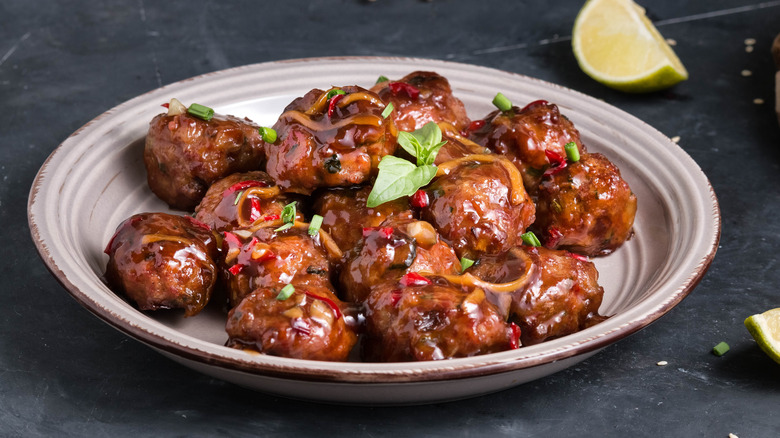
[
  {"x": 388, "y": 110},
  {"x": 465, "y": 263},
  {"x": 423, "y": 144},
  {"x": 530, "y": 238},
  {"x": 382, "y": 78},
  {"x": 334, "y": 92},
  {"x": 397, "y": 178}
]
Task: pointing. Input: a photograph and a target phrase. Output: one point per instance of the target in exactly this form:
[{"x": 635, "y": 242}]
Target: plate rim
[{"x": 416, "y": 371}]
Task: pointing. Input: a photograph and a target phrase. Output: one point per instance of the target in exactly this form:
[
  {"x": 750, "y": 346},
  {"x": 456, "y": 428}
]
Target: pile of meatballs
[{"x": 493, "y": 254}]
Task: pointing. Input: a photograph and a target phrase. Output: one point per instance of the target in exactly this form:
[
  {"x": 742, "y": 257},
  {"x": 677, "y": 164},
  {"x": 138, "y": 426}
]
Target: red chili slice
[
  {"x": 535, "y": 103},
  {"x": 271, "y": 217},
  {"x": 387, "y": 232},
  {"x": 198, "y": 223},
  {"x": 557, "y": 162},
  {"x": 333, "y": 306},
  {"x": 420, "y": 199},
  {"x": 332, "y": 104},
  {"x": 579, "y": 257},
  {"x": 243, "y": 185},
  {"x": 398, "y": 87},
  {"x": 300, "y": 326},
  {"x": 166, "y": 105},
  {"x": 395, "y": 297},
  {"x": 254, "y": 214},
  {"x": 414, "y": 279},
  {"x": 235, "y": 269},
  {"x": 473, "y": 126},
  {"x": 554, "y": 236},
  {"x": 232, "y": 240},
  {"x": 514, "y": 341}
]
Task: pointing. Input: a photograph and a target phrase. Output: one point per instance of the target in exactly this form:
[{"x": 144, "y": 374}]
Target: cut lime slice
[
  {"x": 616, "y": 44},
  {"x": 765, "y": 329}
]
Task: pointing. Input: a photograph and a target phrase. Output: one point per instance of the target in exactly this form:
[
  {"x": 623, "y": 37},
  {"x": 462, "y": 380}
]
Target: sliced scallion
[
  {"x": 286, "y": 292},
  {"x": 268, "y": 134},
  {"x": 334, "y": 92},
  {"x": 465, "y": 263},
  {"x": 201, "y": 111},
  {"x": 388, "y": 110},
  {"x": 501, "y": 102},
  {"x": 530, "y": 238},
  {"x": 315, "y": 224},
  {"x": 572, "y": 153}
]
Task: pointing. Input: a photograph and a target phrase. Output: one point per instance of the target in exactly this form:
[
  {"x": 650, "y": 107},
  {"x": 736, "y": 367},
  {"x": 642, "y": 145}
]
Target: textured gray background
[{"x": 65, "y": 373}]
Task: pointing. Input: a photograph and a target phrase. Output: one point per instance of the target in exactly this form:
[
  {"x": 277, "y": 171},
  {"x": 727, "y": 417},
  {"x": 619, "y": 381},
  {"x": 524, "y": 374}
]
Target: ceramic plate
[{"x": 96, "y": 179}]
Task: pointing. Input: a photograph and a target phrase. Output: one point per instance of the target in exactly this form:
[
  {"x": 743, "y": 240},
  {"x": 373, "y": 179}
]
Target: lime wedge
[
  {"x": 765, "y": 329},
  {"x": 616, "y": 44}
]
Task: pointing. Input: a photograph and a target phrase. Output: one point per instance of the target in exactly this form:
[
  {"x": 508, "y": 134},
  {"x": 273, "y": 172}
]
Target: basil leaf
[
  {"x": 397, "y": 178},
  {"x": 428, "y": 135},
  {"x": 410, "y": 143}
]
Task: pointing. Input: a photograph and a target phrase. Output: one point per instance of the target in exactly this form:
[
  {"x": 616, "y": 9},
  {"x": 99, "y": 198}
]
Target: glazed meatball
[
  {"x": 479, "y": 205},
  {"x": 345, "y": 213},
  {"x": 330, "y": 141},
  {"x": 184, "y": 155},
  {"x": 586, "y": 208},
  {"x": 421, "y": 97},
  {"x": 242, "y": 200},
  {"x": 429, "y": 319},
  {"x": 398, "y": 246},
  {"x": 532, "y": 137},
  {"x": 559, "y": 293},
  {"x": 309, "y": 324},
  {"x": 163, "y": 261},
  {"x": 268, "y": 258}
]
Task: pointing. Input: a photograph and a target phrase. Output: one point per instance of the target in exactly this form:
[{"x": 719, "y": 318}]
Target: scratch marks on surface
[
  {"x": 720, "y": 13},
  {"x": 142, "y": 13},
  {"x": 13, "y": 49},
  {"x": 558, "y": 39}
]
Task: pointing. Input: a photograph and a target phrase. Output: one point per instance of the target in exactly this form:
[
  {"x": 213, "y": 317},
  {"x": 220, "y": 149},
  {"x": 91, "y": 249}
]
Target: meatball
[
  {"x": 345, "y": 213},
  {"x": 268, "y": 258},
  {"x": 309, "y": 324},
  {"x": 533, "y": 138},
  {"x": 421, "y": 97},
  {"x": 479, "y": 205},
  {"x": 557, "y": 292},
  {"x": 331, "y": 141},
  {"x": 163, "y": 261},
  {"x": 184, "y": 155},
  {"x": 586, "y": 208},
  {"x": 429, "y": 319},
  {"x": 391, "y": 250},
  {"x": 242, "y": 200}
]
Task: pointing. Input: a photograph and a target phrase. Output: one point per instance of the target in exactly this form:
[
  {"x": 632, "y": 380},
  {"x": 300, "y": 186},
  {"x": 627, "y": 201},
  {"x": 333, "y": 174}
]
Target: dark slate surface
[{"x": 65, "y": 373}]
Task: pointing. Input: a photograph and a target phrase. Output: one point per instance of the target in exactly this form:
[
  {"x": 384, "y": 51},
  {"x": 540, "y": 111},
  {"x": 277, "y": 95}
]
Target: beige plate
[{"x": 96, "y": 179}]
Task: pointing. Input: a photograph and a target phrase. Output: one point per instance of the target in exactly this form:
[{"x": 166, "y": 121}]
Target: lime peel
[
  {"x": 616, "y": 44},
  {"x": 765, "y": 329}
]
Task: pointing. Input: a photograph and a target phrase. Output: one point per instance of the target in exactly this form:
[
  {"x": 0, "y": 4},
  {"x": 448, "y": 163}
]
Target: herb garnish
[
  {"x": 398, "y": 177},
  {"x": 288, "y": 216}
]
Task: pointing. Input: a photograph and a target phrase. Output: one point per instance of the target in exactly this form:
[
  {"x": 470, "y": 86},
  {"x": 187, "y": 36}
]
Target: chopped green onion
[
  {"x": 720, "y": 349},
  {"x": 315, "y": 224},
  {"x": 382, "y": 78},
  {"x": 572, "y": 153},
  {"x": 334, "y": 92},
  {"x": 286, "y": 292},
  {"x": 502, "y": 103},
  {"x": 465, "y": 263},
  {"x": 201, "y": 112},
  {"x": 238, "y": 196},
  {"x": 388, "y": 110},
  {"x": 288, "y": 216},
  {"x": 530, "y": 239},
  {"x": 268, "y": 134}
]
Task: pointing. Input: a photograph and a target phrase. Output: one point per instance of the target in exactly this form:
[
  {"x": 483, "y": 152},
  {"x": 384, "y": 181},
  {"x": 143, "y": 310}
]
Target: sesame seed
[
  {"x": 662, "y": 363},
  {"x": 676, "y": 139},
  {"x": 749, "y": 49},
  {"x": 758, "y": 101},
  {"x": 750, "y": 41},
  {"x": 671, "y": 42},
  {"x": 747, "y": 73}
]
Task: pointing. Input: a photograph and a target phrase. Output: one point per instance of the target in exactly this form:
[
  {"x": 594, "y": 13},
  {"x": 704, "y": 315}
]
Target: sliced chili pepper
[
  {"x": 235, "y": 269},
  {"x": 535, "y": 103},
  {"x": 514, "y": 341},
  {"x": 395, "y": 297},
  {"x": 557, "y": 162},
  {"x": 579, "y": 257},
  {"x": 398, "y": 87},
  {"x": 387, "y": 232},
  {"x": 554, "y": 236},
  {"x": 243, "y": 185},
  {"x": 198, "y": 223},
  {"x": 332, "y": 104},
  {"x": 414, "y": 279},
  {"x": 473, "y": 126},
  {"x": 254, "y": 214},
  {"x": 300, "y": 326},
  {"x": 232, "y": 239},
  {"x": 333, "y": 306},
  {"x": 271, "y": 217},
  {"x": 420, "y": 199},
  {"x": 166, "y": 105}
]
